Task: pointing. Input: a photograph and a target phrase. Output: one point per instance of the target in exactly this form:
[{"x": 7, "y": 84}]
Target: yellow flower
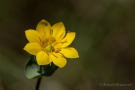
[{"x": 50, "y": 44}]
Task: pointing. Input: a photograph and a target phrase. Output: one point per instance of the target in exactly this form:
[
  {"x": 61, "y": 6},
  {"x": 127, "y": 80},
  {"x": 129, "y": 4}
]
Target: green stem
[{"x": 38, "y": 83}]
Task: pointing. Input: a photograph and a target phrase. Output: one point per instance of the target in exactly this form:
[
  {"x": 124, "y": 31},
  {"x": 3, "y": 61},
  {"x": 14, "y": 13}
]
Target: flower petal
[
  {"x": 58, "y": 60},
  {"x": 45, "y": 31},
  {"x": 69, "y": 52},
  {"x": 58, "y": 31},
  {"x": 67, "y": 40},
  {"x": 32, "y": 35},
  {"x": 32, "y": 48},
  {"x": 43, "y": 26},
  {"x": 42, "y": 58}
]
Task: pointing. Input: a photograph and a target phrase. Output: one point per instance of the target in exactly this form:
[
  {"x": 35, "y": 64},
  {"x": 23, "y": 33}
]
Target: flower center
[{"x": 49, "y": 48}]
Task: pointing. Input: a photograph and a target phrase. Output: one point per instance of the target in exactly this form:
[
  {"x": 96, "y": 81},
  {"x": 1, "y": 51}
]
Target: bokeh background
[{"x": 105, "y": 41}]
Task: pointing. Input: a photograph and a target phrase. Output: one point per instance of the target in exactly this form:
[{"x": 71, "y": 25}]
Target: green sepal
[{"x": 33, "y": 70}]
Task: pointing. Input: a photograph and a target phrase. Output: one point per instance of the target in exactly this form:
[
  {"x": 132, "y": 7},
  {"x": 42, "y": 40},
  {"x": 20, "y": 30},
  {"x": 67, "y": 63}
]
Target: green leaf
[
  {"x": 33, "y": 70},
  {"x": 49, "y": 69}
]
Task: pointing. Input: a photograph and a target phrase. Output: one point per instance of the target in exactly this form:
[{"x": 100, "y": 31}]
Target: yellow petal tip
[{"x": 43, "y": 20}]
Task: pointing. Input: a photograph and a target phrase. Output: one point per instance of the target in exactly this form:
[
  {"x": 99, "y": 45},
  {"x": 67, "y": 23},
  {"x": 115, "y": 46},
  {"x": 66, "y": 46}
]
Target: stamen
[
  {"x": 54, "y": 56},
  {"x": 62, "y": 55},
  {"x": 40, "y": 39},
  {"x": 57, "y": 51},
  {"x": 61, "y": 35},
  {"x": 61, "y": 42},
  {"x": 41, "y": 43},
  {"x": 52, "y": 40},
  {"x": 51, "y": 32}
]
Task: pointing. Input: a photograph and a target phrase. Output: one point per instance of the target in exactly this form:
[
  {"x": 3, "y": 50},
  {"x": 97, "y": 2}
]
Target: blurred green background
[{"x": 105, "y": 41}]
